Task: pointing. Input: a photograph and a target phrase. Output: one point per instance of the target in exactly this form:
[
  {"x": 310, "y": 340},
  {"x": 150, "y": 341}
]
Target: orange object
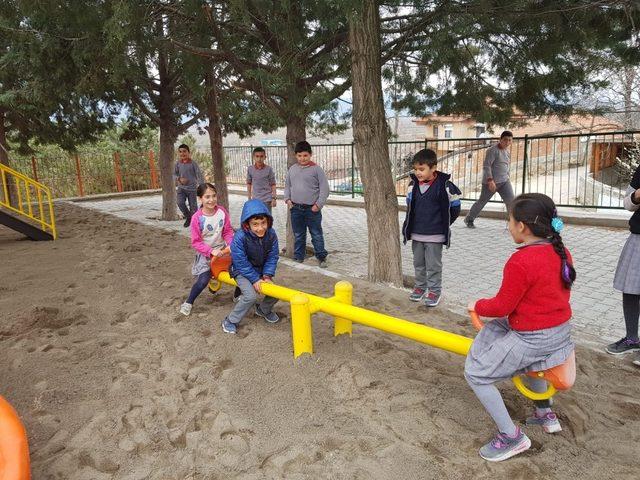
[
  {"x": 14, "y": 448},
  {"x": 220, "y": 264},
  {"x": 562, "y": 377}
]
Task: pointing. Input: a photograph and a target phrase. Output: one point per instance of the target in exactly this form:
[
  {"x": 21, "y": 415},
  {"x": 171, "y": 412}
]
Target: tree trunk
[
  {"x": 296, "y": 132},
  {"x": 372, "y": 150},
  {"x": 215, "y": 139},
  {"x": 167, "y": 144}
]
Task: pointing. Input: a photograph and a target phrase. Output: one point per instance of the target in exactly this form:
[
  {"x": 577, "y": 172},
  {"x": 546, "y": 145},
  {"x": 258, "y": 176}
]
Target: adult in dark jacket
[{"x": 254, "y": 254}]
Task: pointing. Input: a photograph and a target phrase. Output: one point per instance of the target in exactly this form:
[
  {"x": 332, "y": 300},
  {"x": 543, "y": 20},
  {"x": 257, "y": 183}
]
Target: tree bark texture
[
  {"x": 167, "y": 143},
  {"x": 296, "y": 132},
  {"x": 372, "y": 151},
  {"x": 215, "y": 140}
]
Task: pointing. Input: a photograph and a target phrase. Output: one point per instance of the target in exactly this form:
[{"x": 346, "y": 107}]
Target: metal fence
[
  {"x": 91, "y": 173},
  {"x": 581, "y": 170}
]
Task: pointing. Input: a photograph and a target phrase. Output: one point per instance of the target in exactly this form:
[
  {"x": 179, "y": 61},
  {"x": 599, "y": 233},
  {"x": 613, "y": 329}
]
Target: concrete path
[{"x": 472, "y": 266}]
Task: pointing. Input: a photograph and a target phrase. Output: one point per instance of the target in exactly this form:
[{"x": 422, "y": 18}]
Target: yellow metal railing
[
  {"x": 28, "y": 198},
  {"x": 303, "y": 305}
]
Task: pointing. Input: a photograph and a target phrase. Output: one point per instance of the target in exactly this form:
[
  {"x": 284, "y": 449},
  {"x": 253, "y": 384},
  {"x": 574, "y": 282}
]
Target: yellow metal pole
[
  {"x": 343, "y": 294},
  {"x": 301, "y": 325}
]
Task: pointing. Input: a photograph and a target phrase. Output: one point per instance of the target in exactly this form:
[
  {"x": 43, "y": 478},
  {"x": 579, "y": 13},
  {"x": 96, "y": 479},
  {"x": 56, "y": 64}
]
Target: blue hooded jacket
[{"x": 253, "y": 256}]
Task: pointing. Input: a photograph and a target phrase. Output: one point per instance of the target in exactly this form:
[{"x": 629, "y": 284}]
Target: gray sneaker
[
  {"x": 469, "y": 223},
  {"x": 622, "y": 346},
  {"x": 417, "y": 294},
  {"x": 503, "y": 447},
  {"x": 549, "y": 422},
  {"x": 271, "y": 317},
  {"x": 323, "y": 264},
  {"x": 432, "y": 299}
]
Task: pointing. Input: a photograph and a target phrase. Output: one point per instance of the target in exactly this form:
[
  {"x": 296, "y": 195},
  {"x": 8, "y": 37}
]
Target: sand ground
[{"x": 112, "y": 383}]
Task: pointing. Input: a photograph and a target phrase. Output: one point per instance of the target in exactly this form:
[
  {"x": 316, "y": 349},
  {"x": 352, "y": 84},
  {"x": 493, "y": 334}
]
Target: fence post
[
  {"x": 116, "y": 170},
  {"x": 34, "y": 168},
  {"x": 152, "y": 170},
  {"x": 524, "y": 162},
  {"x": 353, "y": 171},
  {"x": 79, "y": 176}
]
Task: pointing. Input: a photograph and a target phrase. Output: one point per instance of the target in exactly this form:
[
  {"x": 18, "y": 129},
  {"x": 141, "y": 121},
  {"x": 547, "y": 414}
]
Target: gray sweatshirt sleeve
[
  {"x": 628, "y": 201},
  {"x": 489, "y": 158},
  {"x": 287, "y": 186},
  {"x": 324, "y": 188},
  {"x": 176, "y": 173}
]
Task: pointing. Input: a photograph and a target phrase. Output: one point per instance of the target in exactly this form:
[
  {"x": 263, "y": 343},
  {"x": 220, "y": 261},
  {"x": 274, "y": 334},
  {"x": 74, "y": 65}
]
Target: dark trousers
[
  {"x": 182, "y": 196},
  {"x": 201, "y": 283},
  {"x": 303, "y": 218}
]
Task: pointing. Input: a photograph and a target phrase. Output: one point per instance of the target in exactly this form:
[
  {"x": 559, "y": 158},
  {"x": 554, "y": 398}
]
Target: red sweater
[{"x": 532, "y": 294}]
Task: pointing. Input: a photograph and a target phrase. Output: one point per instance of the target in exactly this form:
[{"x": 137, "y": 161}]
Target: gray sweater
[
  {"x": 190, "y": 171},
  {"x": 306, "y": 185},
  {"x": 496, "y": 165}
]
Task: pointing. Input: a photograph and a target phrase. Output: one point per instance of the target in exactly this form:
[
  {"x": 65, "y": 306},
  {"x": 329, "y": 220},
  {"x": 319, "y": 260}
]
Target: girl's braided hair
[{"x": 536, "y": 211}]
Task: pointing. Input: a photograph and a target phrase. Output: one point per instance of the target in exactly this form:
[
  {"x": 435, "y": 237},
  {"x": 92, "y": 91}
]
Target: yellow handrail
[{"x": 13, "y": 180}]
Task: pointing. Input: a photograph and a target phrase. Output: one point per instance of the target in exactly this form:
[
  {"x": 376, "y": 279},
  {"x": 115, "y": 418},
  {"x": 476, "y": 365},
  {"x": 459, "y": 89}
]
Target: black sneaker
[
  {"x": 622, "y": 346},
  {"x": 469, "y": 223}
]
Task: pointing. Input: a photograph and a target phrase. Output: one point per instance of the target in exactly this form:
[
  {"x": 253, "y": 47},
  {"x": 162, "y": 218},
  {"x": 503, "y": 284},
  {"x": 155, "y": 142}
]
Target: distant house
[{"x": 442, "y": 127}]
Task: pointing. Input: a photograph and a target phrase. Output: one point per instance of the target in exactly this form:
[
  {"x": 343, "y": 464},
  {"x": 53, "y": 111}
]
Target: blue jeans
[
  {"x": 302, "y": 217},
  {"x": 247, "y": 300}
]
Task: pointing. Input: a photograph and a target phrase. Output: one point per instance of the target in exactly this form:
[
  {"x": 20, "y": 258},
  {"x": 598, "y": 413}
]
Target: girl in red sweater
[{"x": 531, "y": 330}]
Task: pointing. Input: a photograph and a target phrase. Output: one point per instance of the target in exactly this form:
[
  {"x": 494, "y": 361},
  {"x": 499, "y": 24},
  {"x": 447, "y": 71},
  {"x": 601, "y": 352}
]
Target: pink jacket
[{"x": 196, "y": 234}]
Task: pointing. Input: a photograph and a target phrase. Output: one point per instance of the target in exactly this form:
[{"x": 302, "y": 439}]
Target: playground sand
[{"x": 112, "y": 383}]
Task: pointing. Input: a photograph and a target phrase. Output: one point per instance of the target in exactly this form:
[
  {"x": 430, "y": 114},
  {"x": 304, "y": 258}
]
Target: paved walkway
[{"x": 472, "y": 266}]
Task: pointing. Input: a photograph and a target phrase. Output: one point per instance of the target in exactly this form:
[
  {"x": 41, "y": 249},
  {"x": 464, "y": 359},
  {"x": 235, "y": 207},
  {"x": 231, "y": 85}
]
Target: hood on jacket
[
  {"x": 252, "y": 208},
  {"x": 445, "y": 176}
]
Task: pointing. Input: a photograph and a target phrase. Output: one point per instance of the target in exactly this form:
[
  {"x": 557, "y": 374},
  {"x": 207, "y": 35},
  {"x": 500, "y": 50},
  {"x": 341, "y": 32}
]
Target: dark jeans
[
  {"x": 182, "y": 196},
  {"x": 302, "y": 217},
  {"x": 201, "y": 283}
]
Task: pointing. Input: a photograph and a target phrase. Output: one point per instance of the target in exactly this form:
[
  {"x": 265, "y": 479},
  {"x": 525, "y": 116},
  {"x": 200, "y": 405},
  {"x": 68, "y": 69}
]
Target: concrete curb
[{"x": 495, "y": 210}]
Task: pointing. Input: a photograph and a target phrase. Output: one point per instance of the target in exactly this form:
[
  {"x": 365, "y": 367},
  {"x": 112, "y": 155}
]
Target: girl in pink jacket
[{"x": 211, "y": 235}]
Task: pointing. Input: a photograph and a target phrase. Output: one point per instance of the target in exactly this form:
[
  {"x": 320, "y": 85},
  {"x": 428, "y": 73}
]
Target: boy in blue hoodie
[
  {"x": 254, "y": 255},
  {"x": 433, "y": 204}
]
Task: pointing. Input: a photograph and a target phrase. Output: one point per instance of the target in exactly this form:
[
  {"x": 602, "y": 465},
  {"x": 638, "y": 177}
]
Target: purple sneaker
[
  {"x": 549, "y": 422},
  {"x": 622, "y": 346},
  {"x": 503, "y": 447}
]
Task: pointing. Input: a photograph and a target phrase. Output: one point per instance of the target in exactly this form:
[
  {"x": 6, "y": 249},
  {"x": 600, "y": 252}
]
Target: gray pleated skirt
[
  {"x": 200, "y": 265},
  {"x": 627, "y": 276},
  {"x": 499, "y": 353}
]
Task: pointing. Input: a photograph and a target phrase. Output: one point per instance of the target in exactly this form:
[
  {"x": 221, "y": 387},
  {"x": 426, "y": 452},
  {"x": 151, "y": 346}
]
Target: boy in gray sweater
[
  {"x": 306, "y": 190},
  {"x": 495, "y": 177},
  {"x": 187, "y": 176}
]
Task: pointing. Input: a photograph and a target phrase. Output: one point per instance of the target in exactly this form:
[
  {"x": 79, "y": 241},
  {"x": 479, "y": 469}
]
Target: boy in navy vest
[
  {"x": 433, "y": 204},
  {"x": 254, "y": 256}
]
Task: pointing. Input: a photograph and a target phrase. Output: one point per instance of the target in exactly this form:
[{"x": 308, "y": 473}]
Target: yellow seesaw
[{"x": 303, "y": 305}]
